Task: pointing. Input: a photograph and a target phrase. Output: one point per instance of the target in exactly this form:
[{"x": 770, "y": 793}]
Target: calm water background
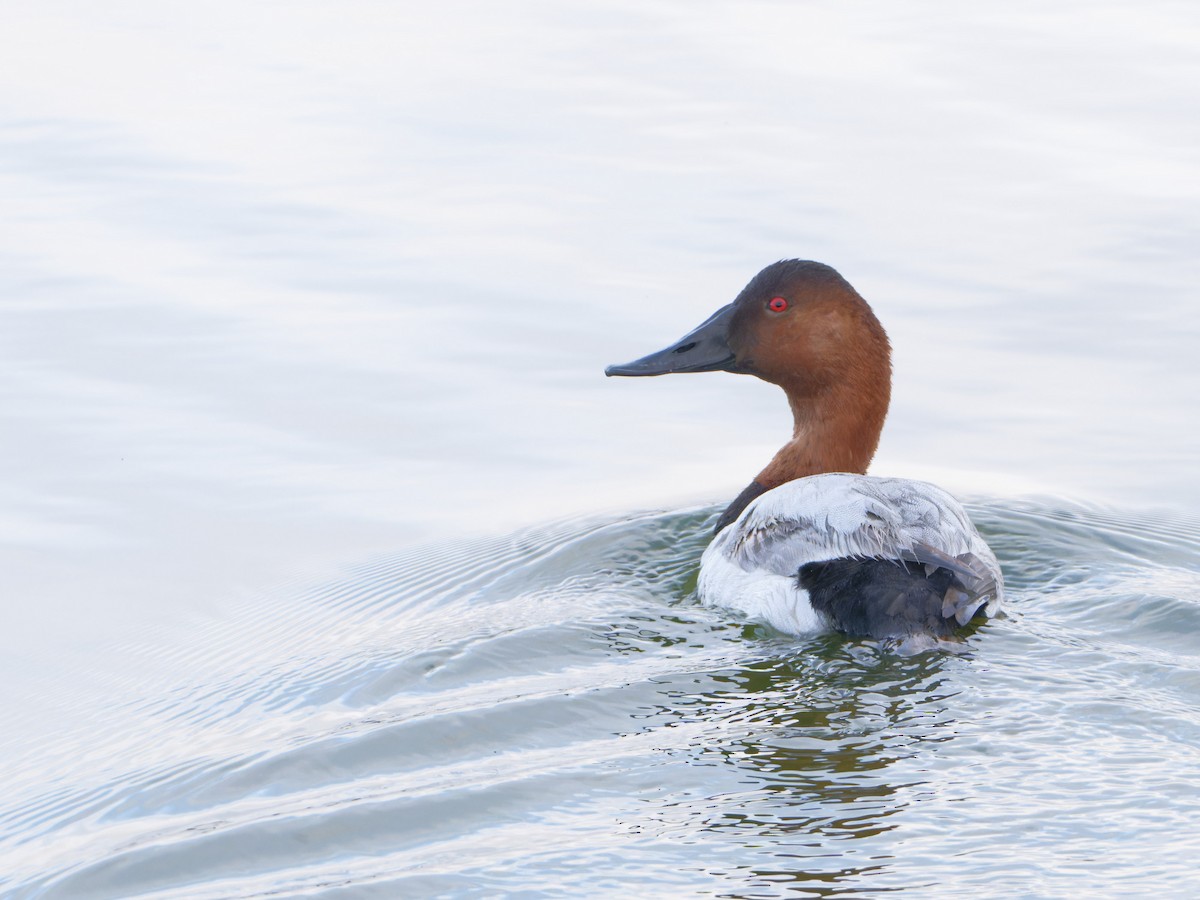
[{"x": 332, "y": 565}]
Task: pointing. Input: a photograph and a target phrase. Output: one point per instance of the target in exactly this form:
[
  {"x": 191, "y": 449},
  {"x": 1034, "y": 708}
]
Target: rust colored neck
[{"x": 834, "y": 432}]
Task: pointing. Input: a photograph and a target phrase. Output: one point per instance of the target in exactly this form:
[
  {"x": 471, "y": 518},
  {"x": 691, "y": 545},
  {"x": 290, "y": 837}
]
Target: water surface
[{"x": 551, "y": 712}]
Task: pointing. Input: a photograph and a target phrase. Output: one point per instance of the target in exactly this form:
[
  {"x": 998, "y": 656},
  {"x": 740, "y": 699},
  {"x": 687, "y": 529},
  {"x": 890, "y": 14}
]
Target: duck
[{"x": 813, "y": 543}]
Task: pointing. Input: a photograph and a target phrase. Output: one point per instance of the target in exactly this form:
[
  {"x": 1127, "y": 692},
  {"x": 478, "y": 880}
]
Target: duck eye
[{"x": 777, "y": 304}]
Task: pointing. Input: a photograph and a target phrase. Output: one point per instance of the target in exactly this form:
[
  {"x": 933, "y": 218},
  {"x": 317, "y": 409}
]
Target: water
[
  {"x": 551, "y": 712},
  {"x": 333, "y": 566}
]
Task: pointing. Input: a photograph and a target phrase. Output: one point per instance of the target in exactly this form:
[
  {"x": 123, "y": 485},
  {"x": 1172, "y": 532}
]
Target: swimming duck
[{"x": 813, "y": 543}]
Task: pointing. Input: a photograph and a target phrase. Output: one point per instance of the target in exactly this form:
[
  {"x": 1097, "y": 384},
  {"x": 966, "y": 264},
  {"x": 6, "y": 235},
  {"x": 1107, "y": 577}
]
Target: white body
[{"x": 752, "y": 564}]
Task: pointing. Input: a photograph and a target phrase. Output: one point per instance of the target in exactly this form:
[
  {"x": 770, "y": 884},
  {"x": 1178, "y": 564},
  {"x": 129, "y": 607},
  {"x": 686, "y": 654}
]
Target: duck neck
[{"x": 834, "y": 432}]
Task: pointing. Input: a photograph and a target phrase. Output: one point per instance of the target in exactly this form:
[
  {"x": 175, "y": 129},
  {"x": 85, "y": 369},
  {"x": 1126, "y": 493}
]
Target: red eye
[{"x": 777, "y": 304}]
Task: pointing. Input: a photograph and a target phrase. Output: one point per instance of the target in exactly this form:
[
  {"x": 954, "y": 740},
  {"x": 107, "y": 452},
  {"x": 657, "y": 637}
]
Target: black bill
[{"x": 704, "y": 349}]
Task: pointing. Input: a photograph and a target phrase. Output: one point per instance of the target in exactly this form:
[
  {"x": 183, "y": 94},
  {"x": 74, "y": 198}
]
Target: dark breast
[{"x": 883, "y": 598}]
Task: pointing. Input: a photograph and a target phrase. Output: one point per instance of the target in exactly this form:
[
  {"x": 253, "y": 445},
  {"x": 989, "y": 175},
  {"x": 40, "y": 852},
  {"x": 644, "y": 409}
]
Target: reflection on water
[{"x": 523, "y": 714}]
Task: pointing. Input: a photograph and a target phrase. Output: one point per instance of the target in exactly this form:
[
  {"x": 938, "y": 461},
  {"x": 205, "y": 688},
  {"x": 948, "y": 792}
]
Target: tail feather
[{"x": 885, "y": 598}]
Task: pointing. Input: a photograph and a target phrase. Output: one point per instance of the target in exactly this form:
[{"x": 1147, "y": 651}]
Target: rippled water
[
  {"x": 552, "y": 712},
  {"x": 324, "y": 551}
]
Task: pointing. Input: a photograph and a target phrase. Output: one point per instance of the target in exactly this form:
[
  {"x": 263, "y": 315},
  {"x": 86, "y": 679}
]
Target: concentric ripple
[{"x": 552, "y": 712}]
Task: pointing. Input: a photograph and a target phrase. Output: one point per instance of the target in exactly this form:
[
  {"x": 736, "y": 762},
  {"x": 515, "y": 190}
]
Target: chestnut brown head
[{"x": 797, "y": 324}]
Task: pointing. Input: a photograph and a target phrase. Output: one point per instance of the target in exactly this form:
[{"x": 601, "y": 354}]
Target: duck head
[{"x": 800, "y": 325}]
